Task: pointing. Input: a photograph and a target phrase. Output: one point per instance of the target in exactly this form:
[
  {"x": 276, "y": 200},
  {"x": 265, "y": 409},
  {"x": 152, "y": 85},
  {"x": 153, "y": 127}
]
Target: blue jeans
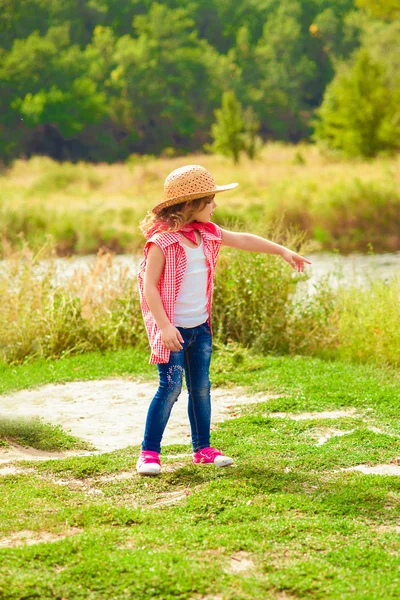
[{"x": 194, "y": 359}]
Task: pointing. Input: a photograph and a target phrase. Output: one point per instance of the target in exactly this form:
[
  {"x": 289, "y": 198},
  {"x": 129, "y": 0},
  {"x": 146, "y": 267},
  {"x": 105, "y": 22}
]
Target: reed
[
  {"x": 369, "y": 322},
  {"x": 341, "y": 204},
  {"x": 259, "y": 304},
  {"x": 95, "y": 310}
]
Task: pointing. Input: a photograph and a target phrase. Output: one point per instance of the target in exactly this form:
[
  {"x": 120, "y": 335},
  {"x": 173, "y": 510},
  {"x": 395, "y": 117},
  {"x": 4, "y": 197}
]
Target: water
[{"x": 354, "y": 269}]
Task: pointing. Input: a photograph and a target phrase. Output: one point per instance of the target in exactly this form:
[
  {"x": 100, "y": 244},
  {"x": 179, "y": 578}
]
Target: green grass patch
[
  {"x": 35, "y": 433},
  {"x": 81, "y": 367},
  {"x": 286, "y": 513}
]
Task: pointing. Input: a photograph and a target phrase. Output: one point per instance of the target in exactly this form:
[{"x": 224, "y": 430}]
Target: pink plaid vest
[{"x": 171, "y": 279}]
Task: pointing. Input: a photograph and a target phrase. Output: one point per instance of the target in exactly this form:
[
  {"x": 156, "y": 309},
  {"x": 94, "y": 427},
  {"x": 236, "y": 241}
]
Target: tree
[
  {"x": 251, "y": 141},
  {"x": 100, "y": 79},
  {"x": 228, "y": 128},
  {"x": 167, "y": 75},
  {"x": 48, "y": 94},
  {"x": 289, "y": 82},
  {"x": 382, "y": 41},
  {"x": 360, "y": 113},
  {"x": 387, "y": 9},
  {"x": 340, "y": 34}
]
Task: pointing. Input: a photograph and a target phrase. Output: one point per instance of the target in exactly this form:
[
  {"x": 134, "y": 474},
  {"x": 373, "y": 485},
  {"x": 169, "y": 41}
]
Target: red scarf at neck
[{"x": 187, "y": 230}]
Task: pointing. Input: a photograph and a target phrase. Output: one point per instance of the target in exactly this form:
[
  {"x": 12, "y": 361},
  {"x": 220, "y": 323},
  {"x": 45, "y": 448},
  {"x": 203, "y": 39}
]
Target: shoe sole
[
  {"x": 149, "y": 474},
  {"x": 224, "y": 464}
]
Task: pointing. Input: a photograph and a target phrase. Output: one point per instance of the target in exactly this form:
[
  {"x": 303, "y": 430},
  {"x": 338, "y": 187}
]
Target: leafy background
[{"x": 100, "y": 80}]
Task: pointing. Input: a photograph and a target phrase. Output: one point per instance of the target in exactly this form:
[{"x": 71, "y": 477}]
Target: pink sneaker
[
  {"x": 148, "y": 463},
  {"x": 211, "y": 455}
]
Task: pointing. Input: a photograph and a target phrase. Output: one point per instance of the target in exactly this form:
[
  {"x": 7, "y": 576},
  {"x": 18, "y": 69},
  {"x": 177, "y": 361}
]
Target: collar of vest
[{"x": 209, "y": 231}]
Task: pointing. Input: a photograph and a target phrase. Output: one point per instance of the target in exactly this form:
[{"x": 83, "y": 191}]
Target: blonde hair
[{"x": 172, "y": 218}]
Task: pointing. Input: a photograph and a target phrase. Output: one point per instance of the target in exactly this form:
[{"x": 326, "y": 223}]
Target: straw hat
[{"x": 189, "y": 183}]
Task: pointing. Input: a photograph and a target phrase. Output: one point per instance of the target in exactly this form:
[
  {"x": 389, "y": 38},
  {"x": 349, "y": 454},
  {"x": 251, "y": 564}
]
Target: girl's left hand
[{"x": 295, "y": 260}]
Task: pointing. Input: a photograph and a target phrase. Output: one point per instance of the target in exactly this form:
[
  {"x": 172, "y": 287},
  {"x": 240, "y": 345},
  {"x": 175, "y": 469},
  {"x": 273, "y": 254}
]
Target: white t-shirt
[{"x": 191, "y": 303}]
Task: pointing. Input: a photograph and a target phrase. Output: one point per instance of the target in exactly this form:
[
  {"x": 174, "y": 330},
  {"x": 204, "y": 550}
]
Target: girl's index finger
[{"x": 306, "y": 260}]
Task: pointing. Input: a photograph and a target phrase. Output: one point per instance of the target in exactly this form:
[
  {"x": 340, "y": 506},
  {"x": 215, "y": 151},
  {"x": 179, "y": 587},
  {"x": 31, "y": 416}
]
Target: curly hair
[{"x": 172, "y": 218}]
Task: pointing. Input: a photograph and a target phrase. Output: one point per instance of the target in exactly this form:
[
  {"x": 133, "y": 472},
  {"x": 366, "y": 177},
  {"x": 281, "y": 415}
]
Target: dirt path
[{"x": 109, "y": 413}]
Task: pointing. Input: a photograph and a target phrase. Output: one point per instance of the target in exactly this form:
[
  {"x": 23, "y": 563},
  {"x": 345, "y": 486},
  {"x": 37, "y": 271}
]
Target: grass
[
  {"x": 258, "y": 304},
  {"x": 43, "y": 317},
  {"x": 341, "y": 204},
  {"x": 93, "y": 365},
  {"x": 368, "y": 322},
  {"x": 36, "y": 434},
  {"x": 286, "y": 514}
]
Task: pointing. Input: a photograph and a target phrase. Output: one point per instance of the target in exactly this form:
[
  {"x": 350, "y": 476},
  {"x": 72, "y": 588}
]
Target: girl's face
[{"x": 205, "y": 214}]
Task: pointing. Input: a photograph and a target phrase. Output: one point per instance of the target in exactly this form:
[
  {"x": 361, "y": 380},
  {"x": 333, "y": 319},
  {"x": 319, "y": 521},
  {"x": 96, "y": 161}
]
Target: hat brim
[{"x": 193, "y": 196}]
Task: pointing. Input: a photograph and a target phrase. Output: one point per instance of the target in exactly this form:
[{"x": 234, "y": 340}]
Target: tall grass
[
  {"x": 342, "y": 204},
  {"x": 42, "y": 318},
  {"x": 349, "y": 215},
  {"x": 258, "y": 304},
  {"x": 369, "y": 324},
  {"x": 255, "y": 302}
]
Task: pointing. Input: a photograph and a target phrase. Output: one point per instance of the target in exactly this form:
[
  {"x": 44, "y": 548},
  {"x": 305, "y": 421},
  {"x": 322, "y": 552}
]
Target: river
[{"x": 354, "y": 269}]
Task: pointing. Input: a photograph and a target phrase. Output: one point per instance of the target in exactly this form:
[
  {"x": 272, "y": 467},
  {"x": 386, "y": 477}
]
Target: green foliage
[
  {"x": 42, "y": 318},
  {"x": 252, "y": 143},
  {"x": 235, "y": 130},
  {"x": 389, "y": 9},
  {"x": 85, "y": 207},
  {"x": 227, "y": 130},
  {"x": 254, "y": 303},
  {"x": 288, "y": 78},
  {"x": 71, "y": 110},
  {"x": 346, "y": 214},
  {"x": 360, "y": 114},
  {"x": 105, "y": 79},
  {"x": 166, "y": 43},
  {"x": 381, "y": 40},
  {"x": 339, "y": 33},
  {"x": 298, "y": 159},
  {"x": 46, "y": 85}
]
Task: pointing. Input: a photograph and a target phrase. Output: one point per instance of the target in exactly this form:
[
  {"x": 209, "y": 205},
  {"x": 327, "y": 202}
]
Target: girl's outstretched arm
[{"x": 255, "y": 243}]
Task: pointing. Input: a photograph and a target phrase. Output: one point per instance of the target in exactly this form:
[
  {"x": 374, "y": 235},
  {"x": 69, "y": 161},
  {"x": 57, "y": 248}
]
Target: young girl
[{"x": 176, "y": 282}]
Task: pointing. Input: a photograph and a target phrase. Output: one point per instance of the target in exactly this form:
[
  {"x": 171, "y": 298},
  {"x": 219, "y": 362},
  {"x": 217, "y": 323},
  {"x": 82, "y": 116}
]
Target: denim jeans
[{"x": 194, "y": 359}]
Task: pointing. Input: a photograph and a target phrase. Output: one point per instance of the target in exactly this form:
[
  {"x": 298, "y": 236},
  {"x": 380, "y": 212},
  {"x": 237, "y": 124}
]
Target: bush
[
  {"x": 255, "y": 305},
  {"x": 355, "y": 211},
  {"x": 360, "y": 113},
  {"x": 343, "y": 205},
  {"x": 349, "y": 215},
  {"x": 227, "y": 131}
]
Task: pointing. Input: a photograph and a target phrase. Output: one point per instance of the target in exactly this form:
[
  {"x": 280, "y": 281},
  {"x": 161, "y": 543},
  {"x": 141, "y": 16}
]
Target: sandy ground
[{"x": 110, "y": 413}]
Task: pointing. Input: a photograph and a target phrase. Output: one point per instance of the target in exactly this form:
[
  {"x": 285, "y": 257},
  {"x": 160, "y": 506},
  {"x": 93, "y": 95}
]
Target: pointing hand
[{"x": 295, "y": 260}]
